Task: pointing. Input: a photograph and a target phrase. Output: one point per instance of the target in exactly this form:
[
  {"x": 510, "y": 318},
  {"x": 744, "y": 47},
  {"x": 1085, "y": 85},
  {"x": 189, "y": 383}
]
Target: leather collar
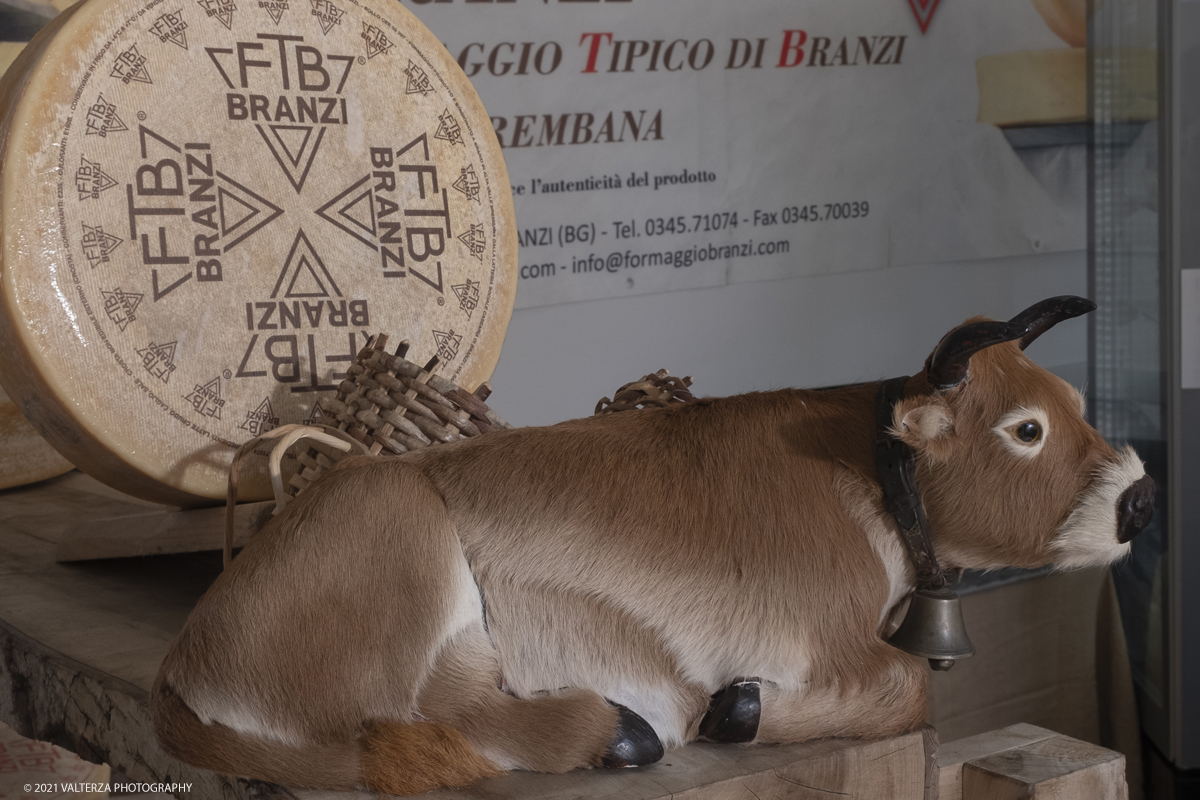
[{"x": 895, "y": 469}]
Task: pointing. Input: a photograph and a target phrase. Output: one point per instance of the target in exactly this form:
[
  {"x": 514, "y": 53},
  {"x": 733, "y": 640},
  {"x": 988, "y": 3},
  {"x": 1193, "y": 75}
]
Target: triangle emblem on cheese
[
  {"x": 475, "y": 240},
  {"x": 238, "y": 206},
  {"x": 206, "y": 399},
  {"x": 170, "y": 27},
  {"x": 97, "y": 244},
  {"x": 159, "y": 360},
  {"x": 360, "y": 212},
  {"x": 102, "y": 119},
  {"x": 305, "y": 273},
  {"x": 91, "y": 180},
  {"x": 292, "y": 140},
  {"x": 261, "y": 419},
  {"x": 447, "y": 344},
  {"x": 275, "y": 8},
  {"x": 468, "y": 296},
  {"x": 130, "y": 66},
  {"x": 377, "y": 42},
  {"x": 221, "y": 9},
  {"x": 293, "y": 148},
  {"x": 448, "y": 129},
  {"x": 234, "y": 211},
  {"x": 468, "y": 182},
  {"x": 305, "y": 282},
  {"x": 327, "y": 14},
  {"x": 418, "y": 81},
  {"x": 121, "y": 306},
  {"x": 354, "y": 211}
]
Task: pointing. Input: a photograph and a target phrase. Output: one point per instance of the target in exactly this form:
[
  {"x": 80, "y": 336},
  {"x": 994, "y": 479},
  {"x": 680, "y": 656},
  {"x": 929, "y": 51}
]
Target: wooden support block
[
  {"x": 1024, "y": 761},
  {"x": 952, "y": 756}
]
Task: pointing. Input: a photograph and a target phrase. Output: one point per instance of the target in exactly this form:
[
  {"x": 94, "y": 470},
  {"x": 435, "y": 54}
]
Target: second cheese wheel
[
  {"x": 24, "y": 455},
  {"x": 206, "y": 208}
]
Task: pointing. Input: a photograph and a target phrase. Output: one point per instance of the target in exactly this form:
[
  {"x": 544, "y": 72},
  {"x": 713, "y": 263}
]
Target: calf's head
[{"x": 1010, "y": 471}]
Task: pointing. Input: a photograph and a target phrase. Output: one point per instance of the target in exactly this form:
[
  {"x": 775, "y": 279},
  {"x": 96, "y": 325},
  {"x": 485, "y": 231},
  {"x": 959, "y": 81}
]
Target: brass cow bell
[{"x": 933, "y": 628}]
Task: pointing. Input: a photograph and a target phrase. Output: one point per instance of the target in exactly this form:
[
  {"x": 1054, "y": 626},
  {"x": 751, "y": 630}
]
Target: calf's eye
[{"x": 1029, "y": 432}]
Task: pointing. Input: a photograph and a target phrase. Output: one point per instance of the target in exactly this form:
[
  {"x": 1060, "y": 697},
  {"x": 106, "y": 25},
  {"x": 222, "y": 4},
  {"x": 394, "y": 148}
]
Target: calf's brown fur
[{"x": 647, "y": 558}]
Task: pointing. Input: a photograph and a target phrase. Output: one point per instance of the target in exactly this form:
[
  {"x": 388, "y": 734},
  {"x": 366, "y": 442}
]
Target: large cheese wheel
[{"x": 206, "y": 207}]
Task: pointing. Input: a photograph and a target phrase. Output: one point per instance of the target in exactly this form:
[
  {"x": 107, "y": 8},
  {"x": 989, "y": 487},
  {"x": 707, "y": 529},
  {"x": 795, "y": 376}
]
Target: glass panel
[{"x": 1126, "y": 391}]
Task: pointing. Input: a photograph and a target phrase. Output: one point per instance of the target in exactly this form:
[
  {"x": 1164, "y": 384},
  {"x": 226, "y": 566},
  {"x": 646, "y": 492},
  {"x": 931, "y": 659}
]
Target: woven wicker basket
[
  {"x": 392, "y": 406},
  {"x": 652, "y": 391}
]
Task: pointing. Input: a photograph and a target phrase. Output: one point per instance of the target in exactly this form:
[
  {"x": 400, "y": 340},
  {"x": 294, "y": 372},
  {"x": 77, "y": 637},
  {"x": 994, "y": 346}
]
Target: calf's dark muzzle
[{"x": 1135, "y": 507}]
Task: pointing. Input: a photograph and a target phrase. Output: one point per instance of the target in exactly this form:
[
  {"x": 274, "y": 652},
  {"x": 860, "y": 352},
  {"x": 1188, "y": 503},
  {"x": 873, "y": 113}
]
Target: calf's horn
[
  {"x": 1041, "y": 317},
  {"x": 947, "y": 366}
]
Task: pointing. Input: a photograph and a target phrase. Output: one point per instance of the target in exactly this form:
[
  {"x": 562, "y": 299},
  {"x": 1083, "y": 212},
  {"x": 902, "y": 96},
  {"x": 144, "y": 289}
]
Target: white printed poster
[{"x": 656, "y": 145}]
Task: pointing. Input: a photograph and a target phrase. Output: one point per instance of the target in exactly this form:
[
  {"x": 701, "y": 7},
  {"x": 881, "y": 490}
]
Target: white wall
[{"x": 559, "y": 360}]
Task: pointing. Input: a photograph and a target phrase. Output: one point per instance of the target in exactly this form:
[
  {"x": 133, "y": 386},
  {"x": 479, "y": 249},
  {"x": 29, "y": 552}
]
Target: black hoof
[
  {"x": 635, "y": 743},
  {"x": 733, "y": 714}
]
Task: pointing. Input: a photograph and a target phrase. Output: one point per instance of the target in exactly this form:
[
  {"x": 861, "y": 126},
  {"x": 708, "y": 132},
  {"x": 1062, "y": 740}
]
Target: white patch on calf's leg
[
  {"x": 661, "y": 706},
  {"x": 219, "y": 707},
  {"x": 498, "y": 757},
  {"x": 1089, "y": 536},
  {"x": 466, "y": 602}
]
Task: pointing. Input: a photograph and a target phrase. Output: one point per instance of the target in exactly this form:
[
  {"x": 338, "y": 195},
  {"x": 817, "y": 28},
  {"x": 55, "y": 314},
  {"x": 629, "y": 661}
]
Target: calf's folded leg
[
  {"x": 554, "y": 732},
  {"x": 892, "y": 702}
]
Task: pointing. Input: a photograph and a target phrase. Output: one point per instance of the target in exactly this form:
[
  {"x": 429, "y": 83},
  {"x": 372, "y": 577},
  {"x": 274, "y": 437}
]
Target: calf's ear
[{"x": 925, "y": 424}]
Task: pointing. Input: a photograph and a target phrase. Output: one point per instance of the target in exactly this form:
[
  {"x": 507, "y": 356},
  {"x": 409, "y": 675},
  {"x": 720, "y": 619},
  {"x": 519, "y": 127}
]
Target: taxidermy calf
[{"x": 575, "y": 595}]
